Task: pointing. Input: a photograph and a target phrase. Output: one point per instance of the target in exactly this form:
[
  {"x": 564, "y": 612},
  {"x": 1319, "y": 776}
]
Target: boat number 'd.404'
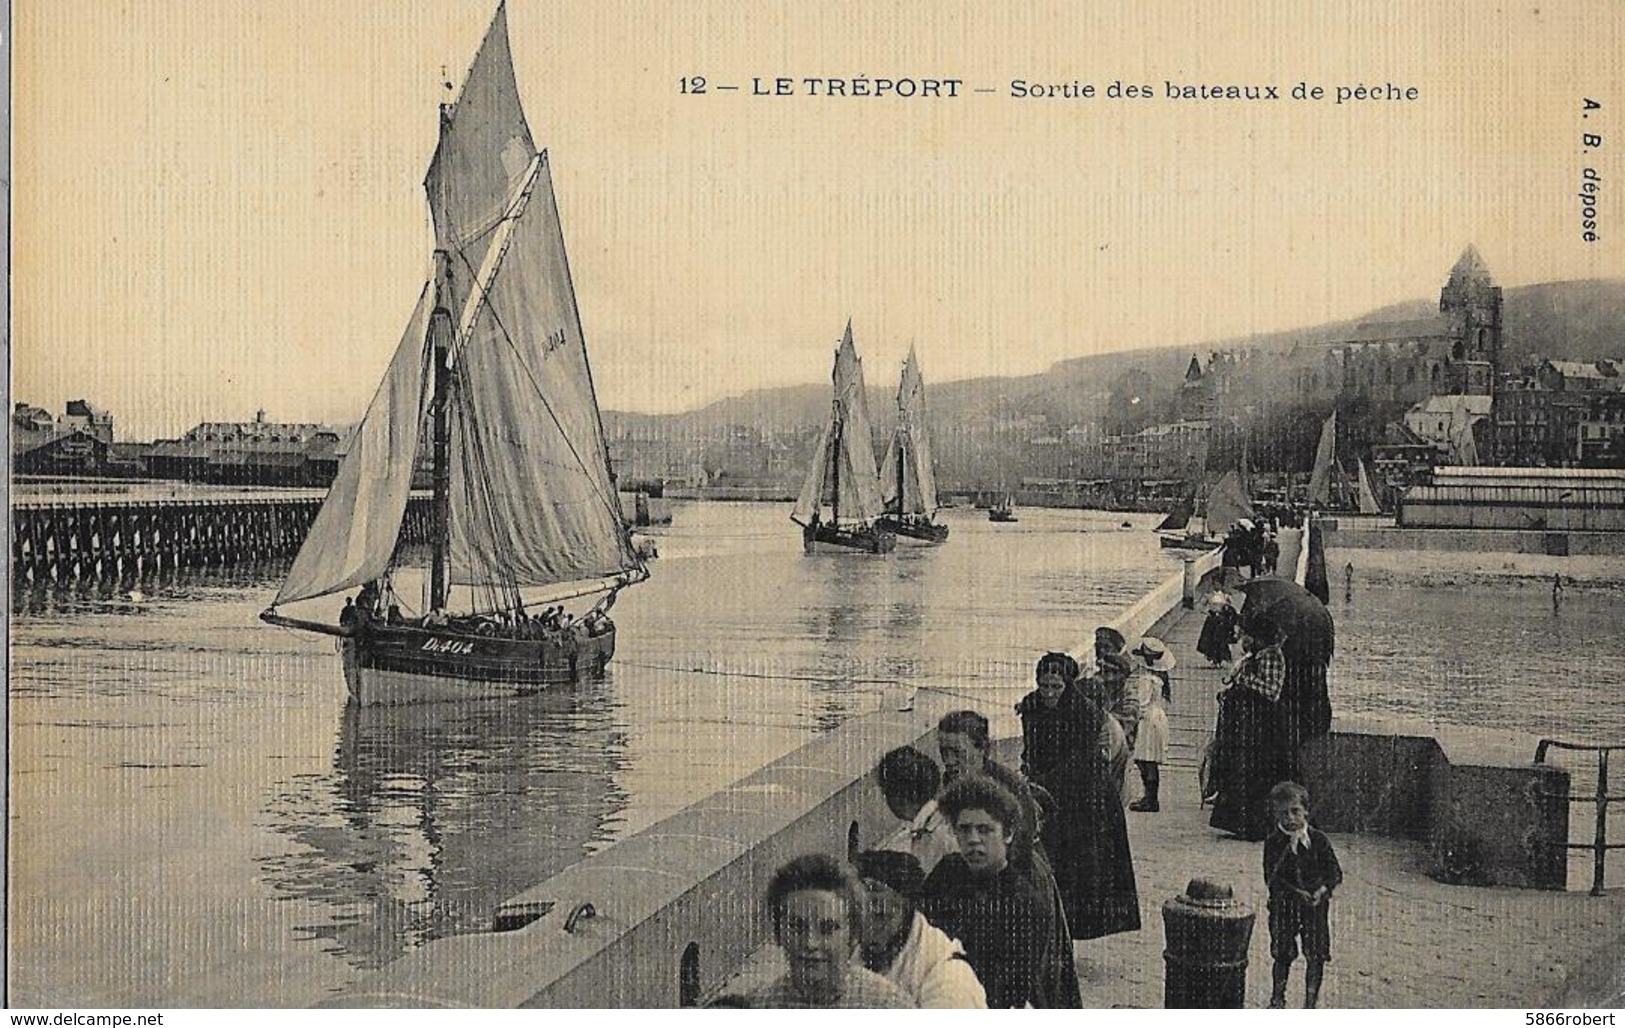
[{"x": 447, "y": 646}]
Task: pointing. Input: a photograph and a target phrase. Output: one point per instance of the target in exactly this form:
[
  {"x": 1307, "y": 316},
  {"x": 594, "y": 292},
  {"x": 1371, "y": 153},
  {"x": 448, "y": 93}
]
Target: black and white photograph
[{"x": 646, "y": 505}]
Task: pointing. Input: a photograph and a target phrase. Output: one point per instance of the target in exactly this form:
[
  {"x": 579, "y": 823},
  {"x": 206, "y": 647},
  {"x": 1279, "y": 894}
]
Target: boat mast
[
  {"x": 902, "y": 455},
  {"x": 440, "y": 331},
  {"x": 835, "y": 467}
]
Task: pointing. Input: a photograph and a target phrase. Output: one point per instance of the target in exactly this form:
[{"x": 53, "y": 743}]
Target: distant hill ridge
[{"x": 1578, "y": 320}]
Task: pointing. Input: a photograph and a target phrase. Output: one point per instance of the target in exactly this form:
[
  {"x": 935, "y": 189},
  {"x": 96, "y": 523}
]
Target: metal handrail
[{"x": 1599, "y": 845}]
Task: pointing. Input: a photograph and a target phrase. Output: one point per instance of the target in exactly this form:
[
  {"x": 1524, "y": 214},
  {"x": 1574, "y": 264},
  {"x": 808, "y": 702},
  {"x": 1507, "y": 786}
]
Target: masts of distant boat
[
  {"x": 835, "y": 467},
  {"x": 902, "y": 463},
  {"x": 440, "y": 330}
]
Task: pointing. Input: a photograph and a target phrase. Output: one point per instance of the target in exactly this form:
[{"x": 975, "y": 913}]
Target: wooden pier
[{"x": 114, "y": 538}]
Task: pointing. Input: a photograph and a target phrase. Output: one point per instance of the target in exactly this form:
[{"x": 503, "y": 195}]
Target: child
[
  {"x": 1151, "y": 684},
  {"x": 1301, "y": 870}
]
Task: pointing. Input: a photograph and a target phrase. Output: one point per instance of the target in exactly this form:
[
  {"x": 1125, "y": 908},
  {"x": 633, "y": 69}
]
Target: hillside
[{"x": 1581, "y": 320}]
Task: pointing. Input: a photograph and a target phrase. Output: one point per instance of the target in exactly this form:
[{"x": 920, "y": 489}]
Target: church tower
[{"x": 1473, "y": 302}]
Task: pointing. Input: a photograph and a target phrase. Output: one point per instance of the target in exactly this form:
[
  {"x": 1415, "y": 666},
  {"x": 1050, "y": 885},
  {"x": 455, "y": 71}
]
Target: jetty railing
[{"x": 1599, "y": 845}]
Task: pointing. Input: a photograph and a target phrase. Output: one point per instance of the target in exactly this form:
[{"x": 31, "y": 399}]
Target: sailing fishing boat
[
  {"x": 908, "y": 480},
  {"x": 1003, "y": 509},
  {"x": 493, "y": 371},
  {"x": 1227, "y": 503},
  {"x": 1320, "y": 477},
  {"x": 842, "y": 478}
]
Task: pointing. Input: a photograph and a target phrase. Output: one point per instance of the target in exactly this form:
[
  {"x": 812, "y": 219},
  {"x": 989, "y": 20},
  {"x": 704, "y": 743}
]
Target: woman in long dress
[
  {"x": 1218, "y": 629},
  {"x": 1087, "y": 841},
  {"x": 1250, "y": 752}
]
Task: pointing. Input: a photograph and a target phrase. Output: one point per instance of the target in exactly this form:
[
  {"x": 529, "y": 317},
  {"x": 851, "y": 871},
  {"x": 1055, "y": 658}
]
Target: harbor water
[{"x": 198, "y": 819}]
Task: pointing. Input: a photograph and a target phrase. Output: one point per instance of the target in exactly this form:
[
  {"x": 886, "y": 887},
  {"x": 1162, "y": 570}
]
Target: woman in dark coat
[
  {"x": 1218, "y": 629},
  {"x": 1250, "y": 746},
  {"x": 1087, "y": 841},
  {"x": 980, "y": 898}
]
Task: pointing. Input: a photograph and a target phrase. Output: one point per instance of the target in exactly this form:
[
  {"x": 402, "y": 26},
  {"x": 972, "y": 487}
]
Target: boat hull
[
  {"x": 1175, "y": 542},
  {"x": 1003, "y": 517},
  {"x": 829, "y": 539},
  {"x": 926, "y": 532},
  {"x": 394, "y": 665}
]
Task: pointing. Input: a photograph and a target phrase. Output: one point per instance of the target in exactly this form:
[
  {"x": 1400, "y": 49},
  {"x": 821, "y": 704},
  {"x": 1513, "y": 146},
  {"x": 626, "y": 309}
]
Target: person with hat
[
  {"x": 1086, "y": 836},
  {"x": 899, "y": 944},
  {"x": 1107, "y": 687},
  {"x": 1154, "y": 691},
  {"x": 1218, "y": 629},
  {"x": 1250, "y": 745}
]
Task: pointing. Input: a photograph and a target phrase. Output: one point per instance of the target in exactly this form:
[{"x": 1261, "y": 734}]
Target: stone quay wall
[
  {"x": 676, "y": 908},
  {"x": 1488, "y": 814},
  {"x": 1354, "y": 535}
]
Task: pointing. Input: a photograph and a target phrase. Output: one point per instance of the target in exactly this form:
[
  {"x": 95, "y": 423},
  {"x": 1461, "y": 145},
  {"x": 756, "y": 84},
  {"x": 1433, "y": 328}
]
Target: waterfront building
[
  {"x": 1547, "y": 500},
  {"x": 1449, "y": 423},
  {"x": 79, "y": 443},
  {"x": 1561, "y": 413},
  {"x": 258, "y": 452}
]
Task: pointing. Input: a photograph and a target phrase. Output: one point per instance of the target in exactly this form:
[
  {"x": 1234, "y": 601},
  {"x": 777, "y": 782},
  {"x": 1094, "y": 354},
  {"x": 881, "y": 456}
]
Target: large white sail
[
  {"x": 812, "y": 487},
  {"x": 485, "y": 153},
  {"x": 1320, "y": 479},
  {"x": 1227, "y": 504},
  {"x": 907, "y": 480},
  {"x": 355, "y": 532},
  {"x": 858, "y": 499},
  {"x": 532, "y": 498},
  {"x": 532, "y": 501},
  {"x": 843, "y": 478}
]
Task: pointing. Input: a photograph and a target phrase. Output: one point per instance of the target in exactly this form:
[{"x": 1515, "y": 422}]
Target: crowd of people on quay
[
  {"x": 1252, "y": 545},
  {"x": 996, "y": 871},
  {"x": 371, "y": 605}
]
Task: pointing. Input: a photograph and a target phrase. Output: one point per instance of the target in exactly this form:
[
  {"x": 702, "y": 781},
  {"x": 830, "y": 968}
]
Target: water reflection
[
  {"x": 130, "y": 594},
  {"x": 432, "y": 815}
]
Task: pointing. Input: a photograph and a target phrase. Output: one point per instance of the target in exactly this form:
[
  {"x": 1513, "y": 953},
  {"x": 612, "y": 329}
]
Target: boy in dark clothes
[{"x": 1301, "y": 870}]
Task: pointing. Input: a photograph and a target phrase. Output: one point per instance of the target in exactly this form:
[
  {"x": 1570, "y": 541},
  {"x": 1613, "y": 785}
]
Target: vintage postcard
[{"x": 540, "y": 503}]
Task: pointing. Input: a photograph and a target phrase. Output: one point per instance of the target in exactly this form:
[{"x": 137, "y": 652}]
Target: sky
[{"x": 218, "y": 206}]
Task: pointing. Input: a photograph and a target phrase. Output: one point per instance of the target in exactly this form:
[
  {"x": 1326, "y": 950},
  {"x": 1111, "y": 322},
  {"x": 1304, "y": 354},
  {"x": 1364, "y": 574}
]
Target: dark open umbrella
[
  {"x": 1302, "y": 618},
  {"x": 1308, "y": 645}
]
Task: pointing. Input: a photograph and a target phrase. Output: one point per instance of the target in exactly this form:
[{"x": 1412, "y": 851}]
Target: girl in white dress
[{"x": 1150, "y": 684}]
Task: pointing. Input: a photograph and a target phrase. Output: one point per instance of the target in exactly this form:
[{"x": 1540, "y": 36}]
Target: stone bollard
[
  {"x": 1206, "y": 932},
  {"x": 1193, "y": 582}
]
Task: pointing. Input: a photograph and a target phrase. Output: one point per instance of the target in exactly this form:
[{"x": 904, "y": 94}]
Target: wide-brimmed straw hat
[{"x": 1154, "y": 652}]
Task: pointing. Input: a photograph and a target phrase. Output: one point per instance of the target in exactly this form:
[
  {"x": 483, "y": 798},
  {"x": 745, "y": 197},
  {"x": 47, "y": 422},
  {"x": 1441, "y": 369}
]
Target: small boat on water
[
  {"x": 492, "y": 376},
  {"x": 1003, "y": 510},
  {"x": 1227, "y": 503},
  {"x": 842, "y": 479},
  {"x": 908, "y": 480}
]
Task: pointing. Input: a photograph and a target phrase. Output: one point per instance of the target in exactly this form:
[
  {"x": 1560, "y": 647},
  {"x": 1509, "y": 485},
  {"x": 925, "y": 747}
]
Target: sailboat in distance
[
  {"x": 908, "y": 480},
  {"x": 842, "y": 480},
  {"x": 492, "y": 377}
]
